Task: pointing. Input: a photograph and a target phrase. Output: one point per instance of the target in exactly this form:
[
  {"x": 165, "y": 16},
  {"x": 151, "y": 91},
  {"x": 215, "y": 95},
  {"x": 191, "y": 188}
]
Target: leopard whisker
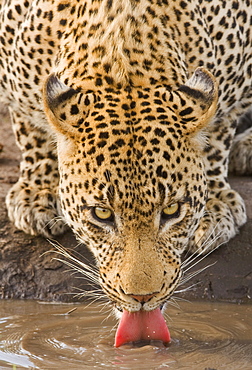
[
  {"x": 190, "y": 263},
  {"x": 200, "y": 255},
  {"x": 91, "y": 295},
  {"x": 194, "y": 273},
  {"x": 186, "y": 289},
  {"x": 194, "y": 259},
  {"x": 51, "y": 223},
  {"x": 110, "y": 314},
  {"x": 178, "y": 299},
  {"x": 172, "y": 301},
  {"x": 75, "y": 269},
  {"x": 75, "y": 264}
]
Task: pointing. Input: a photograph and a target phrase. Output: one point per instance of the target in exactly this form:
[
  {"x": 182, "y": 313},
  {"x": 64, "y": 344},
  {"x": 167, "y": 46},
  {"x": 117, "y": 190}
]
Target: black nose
[{"x": 142, "y": 298}]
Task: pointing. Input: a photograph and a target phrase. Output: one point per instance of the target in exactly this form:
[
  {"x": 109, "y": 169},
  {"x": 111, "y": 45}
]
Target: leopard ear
[
  {"x": 202, "y": 91},
  {"x": 65, "y": 107}
]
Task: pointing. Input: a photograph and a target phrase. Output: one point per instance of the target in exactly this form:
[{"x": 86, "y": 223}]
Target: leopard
[{"x": 125, "y": 112}]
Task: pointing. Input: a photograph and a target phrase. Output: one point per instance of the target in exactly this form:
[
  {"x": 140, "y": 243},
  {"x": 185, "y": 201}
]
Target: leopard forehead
[{"x": 121, "y": 159}]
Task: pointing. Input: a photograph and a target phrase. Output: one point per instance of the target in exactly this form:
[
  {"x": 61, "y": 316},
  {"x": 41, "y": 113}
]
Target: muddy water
[{"x": 47, "y": 336}]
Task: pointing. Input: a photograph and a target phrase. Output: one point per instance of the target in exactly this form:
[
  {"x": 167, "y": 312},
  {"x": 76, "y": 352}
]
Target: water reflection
[{"x": 47, "y": 336}]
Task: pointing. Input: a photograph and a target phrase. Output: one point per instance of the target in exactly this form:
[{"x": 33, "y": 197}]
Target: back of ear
[
  {"x": 200, "y": 93},
  {"x": 65, "y": 107},
  {"x": 201, "y": 86}
]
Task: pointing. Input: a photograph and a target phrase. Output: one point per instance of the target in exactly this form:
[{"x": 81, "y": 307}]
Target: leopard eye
[
  {"x": 171, "y": 211},
  {"x": 103, "y": 214}
]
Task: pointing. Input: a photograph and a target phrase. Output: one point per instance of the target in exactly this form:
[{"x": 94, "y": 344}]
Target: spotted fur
[{"x": 141, "y": 99}]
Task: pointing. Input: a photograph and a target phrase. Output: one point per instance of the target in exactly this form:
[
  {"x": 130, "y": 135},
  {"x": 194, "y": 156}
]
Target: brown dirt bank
[{"x": 27, "y": 272}]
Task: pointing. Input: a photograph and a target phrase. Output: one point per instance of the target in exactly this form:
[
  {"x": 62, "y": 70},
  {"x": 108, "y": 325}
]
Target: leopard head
[{"x": 132, "y": 181}]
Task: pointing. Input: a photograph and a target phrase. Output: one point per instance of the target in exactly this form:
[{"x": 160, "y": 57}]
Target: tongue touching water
[
  {"x": 142, "y": 325},
  {"x": 34, "y": 335}
]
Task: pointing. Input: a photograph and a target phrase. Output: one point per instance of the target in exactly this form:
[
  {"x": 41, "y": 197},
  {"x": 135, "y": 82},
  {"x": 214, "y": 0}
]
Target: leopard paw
[
  {"x": 223, "y": 216},
  {"x": 240, "y": 158},
  {"x": 35, "y": 211}
]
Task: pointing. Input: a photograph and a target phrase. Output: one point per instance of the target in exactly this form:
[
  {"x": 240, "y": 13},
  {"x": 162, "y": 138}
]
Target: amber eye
[
  {"x": 103, "y": 214},
  {"x": 171, "y": 211}
]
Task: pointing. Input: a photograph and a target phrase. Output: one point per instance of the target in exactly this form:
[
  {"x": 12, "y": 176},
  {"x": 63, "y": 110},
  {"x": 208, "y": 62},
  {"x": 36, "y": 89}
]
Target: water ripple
[{"x": 204, "y": 335}]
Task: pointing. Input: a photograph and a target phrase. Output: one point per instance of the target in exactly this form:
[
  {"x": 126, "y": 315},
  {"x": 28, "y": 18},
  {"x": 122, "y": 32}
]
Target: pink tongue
[{"x": 142, "y": 325}]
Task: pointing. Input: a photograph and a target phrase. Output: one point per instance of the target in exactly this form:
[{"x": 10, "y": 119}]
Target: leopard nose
[{"x": 142, "y": 298}]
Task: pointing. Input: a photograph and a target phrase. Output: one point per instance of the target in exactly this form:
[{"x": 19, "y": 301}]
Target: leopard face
[{"x": 132, "y": 185}]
